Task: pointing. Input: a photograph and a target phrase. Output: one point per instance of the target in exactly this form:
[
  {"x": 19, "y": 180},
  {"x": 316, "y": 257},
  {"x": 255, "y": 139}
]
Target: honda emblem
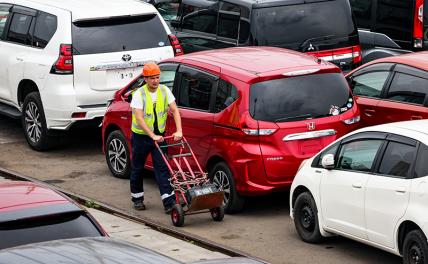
[
  {"x": 311, "y": 125},
  {"x": 126, "y": 57}
]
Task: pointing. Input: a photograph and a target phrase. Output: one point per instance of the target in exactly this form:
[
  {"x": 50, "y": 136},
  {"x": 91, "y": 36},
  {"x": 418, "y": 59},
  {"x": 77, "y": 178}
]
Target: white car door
[
  {"x": 4, "y": 55},
  {"x": 343, "y": 188},
  {"x": 388, "y": 191}
]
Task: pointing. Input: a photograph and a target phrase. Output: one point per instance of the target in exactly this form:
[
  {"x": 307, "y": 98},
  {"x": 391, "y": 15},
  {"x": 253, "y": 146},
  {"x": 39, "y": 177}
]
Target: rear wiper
[
  {"x": 316, "y": 39},
  {"x": 305, "y": 116}
]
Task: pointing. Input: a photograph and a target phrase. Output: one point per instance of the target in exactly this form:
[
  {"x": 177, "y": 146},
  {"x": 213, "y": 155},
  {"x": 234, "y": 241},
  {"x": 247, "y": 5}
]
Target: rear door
[
  {"x": 405, "y": 98},
  {"x": 108, "y": 53},
  {"x": 367, "y": 86},
  {"x": 5, "y": 13},
  {"x": 195, "y": 99}
]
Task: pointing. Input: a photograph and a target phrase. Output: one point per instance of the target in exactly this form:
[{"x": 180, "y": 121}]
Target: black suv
[
  {"x": 391, "y": 27},
  {"x": 324, "y": 28}
]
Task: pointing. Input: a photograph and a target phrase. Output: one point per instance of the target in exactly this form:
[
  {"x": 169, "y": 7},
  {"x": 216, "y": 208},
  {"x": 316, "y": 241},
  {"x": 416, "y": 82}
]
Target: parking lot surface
[{"x": 264, "y": 229}]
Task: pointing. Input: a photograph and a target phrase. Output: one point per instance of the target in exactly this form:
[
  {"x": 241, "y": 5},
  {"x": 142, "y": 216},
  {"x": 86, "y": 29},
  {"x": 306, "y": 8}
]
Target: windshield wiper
[
  {"x": 305, "y": 116},
  {"x": 316, "y": 39}
]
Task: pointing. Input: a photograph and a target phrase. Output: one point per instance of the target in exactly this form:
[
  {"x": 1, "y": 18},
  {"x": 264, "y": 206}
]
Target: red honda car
[
  {"x": 31, "y": 213},
  {"x": 250, "y": 114},
  {"x": 392, "y": 89}
]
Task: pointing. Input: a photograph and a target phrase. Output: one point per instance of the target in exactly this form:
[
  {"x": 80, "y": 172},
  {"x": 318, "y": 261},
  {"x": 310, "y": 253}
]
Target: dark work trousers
[{"x": 142, "y": 145}]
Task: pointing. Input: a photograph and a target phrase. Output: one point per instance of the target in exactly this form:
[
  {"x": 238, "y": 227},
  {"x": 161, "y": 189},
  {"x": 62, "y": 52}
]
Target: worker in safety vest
[{"x": 150, "y": 105}]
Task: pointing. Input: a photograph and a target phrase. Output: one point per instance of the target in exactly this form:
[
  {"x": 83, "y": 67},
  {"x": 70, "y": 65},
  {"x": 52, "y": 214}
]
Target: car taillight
[
  {"x": 178, "y": 50},
  {"x": 259, "y": 132},
  {"x": 64, "y": 63},
  {"x": 418, "y": 24},
  {"x": 353, "y": 52}
]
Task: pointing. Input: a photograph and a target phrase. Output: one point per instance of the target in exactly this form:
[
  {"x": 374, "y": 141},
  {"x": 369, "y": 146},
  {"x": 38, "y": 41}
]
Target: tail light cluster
[
  {"x": 178, "y": 50},
  {"x": 418, "y": 24},
  {"x": 353, "y": 52},
  {"x": 64, "y": 63}
]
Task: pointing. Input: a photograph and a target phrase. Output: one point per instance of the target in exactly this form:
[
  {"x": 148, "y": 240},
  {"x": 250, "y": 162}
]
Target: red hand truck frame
[{"x": 186, "y": 179}]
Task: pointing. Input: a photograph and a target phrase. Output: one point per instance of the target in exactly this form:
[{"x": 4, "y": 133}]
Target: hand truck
[{"x": 193, "y": 191}]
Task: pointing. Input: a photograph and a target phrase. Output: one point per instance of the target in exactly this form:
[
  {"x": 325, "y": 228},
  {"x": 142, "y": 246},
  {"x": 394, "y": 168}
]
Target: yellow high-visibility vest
[{"x": 148, "y": 114}]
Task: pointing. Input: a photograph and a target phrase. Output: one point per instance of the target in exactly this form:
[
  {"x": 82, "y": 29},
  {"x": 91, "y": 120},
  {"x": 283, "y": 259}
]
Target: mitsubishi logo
[
  {"x": 311, "y": 125},
  {"x": 311, "y": 47},
  {"x": 126, "y": 57}
]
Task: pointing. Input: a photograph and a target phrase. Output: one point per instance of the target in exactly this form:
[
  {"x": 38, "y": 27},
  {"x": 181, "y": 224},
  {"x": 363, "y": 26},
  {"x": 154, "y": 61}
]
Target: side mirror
[{"x": 328, "y": 161}]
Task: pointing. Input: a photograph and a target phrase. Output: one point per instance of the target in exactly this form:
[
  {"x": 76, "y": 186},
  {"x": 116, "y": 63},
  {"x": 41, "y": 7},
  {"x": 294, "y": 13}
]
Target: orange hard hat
[{"x": 151, "y": 69}]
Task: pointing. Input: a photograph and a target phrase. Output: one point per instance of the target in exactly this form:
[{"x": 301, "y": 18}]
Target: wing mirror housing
[{"x": 327, "y": 162}]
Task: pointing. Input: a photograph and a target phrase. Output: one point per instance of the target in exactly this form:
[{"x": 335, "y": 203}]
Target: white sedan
[{"x": 371, "y": 186}]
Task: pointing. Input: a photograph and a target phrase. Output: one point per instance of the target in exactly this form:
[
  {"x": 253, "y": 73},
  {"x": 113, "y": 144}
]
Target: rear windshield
[
  {"x": 292, "y": 25},
  {"x": 299, "y": 98},
  {"x": 119, "y": 34},
  {"x": 69, "y": 225}
]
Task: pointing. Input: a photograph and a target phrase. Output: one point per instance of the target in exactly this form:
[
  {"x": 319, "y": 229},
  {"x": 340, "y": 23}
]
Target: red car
[
  {"x": 392, "y": 89},
  {"x": 31, "y": 213},
  {"x": 251, "y": 115}
]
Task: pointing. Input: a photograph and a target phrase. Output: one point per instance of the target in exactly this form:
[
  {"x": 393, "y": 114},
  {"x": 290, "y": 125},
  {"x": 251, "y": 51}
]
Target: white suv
[
  {"x": 371, "y": 186},
  {"x": 61, "y": 61}
]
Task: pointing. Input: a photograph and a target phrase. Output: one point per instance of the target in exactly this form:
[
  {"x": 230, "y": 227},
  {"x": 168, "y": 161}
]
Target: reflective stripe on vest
[{"x": 148, "y": 114}]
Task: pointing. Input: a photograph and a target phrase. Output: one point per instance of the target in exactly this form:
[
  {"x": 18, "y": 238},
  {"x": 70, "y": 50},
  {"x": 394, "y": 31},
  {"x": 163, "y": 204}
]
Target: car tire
[
  {"x": 118, "y": 155},
  {"x": 415, "y": 248},
  {"x": 306, "y": 218},
  {"x": 222, "y": 178},
  {"x": 34, "y": 123}
]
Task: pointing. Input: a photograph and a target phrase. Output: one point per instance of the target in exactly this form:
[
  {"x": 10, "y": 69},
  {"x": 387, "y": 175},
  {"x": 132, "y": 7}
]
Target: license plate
[{"x": 120, "y": 77}]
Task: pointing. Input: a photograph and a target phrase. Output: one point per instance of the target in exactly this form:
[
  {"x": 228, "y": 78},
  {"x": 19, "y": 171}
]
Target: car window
[
  {"x": 358, "y": 155},
  {"x": 369, "y": 84},
  {"x": 46, "y": 25},
  {"x": 19, "y": 29},
  {"x": 118, "y": 34},
  {"x": 397, "y": 159},
  {"x": 168, "y": 10},
  {"x": 407, "y": 88},
  {"x": 167, "y": 78},
  {"x": 362, "y": 10},
  {"x": 4, "y": 14},
  {"x": 199, "y": 19},
  {"x": 421, "y": 166},
  {"x": 195, "y": 89},
  {"x": 318, "y": 95},
  {"x": 395, "y": 18},
  {"x": 46, "y": 228},
  {"x": 226, "y": 95},
  {"x": 228, "y": 21}
]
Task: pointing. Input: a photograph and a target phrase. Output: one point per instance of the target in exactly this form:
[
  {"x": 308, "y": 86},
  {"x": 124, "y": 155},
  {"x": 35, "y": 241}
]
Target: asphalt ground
[{"x": 264, "y": 229}]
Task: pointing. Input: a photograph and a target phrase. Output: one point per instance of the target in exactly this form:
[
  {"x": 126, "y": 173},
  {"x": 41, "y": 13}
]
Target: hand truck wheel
[
  {"x": 177, "y": 215},
  {"x": 217, "y": 213}
]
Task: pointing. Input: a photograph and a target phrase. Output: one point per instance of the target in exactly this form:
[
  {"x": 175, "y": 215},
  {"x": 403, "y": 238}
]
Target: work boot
[{"x": 139, "y": 205}]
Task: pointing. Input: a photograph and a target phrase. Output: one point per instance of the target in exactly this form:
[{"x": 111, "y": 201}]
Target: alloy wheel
[
  {"x": 117, "y": 155},
  {"x": 221, "y": 181},
  {"x": 33, "y": 123}
]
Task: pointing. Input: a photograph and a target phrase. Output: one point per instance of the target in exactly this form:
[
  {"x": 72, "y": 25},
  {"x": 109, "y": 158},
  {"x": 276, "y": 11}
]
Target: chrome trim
[
  {"x": 119, "y": 66},
  {"x": 311, "y": 134}
]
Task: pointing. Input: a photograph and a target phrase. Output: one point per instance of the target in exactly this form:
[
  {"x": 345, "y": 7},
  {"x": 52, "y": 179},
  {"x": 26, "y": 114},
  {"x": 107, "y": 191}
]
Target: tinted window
[
  {"x": 358, "y": 155},
  {"x": 168, "y": 10},
  {"x": 228, "y": 21},
  {"x": 118, "y": 34},
  {"x": 362, "y": 10},
  {"x": 44, "y": 30},
  {"x": 199, "y": 19},
  {"x": 408, "y": 88},
  {"x": 295, "y": 24},
  {"x": 195, "y": 89},
  {"x": 19, "y": 28},
  {"x": 191, "y": 44},
  {"x": 397, "y": 159},
  {"x": 44, "y": 229},
  {"x": 301, "y": 97},
  {"x": 394, "y": 18},
  {"x": 4, "y": 13},
  {"x": 421, "y": 167},
  {"x": 226, "y": 95},
  {"x": 369, "y": 84}
]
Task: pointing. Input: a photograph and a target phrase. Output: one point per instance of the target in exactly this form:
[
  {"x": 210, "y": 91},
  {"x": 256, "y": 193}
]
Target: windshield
[
  {"x": 299, "y": 98},
  {"x": 291, "y": 25},
  {"x": 118, "y": 34}
]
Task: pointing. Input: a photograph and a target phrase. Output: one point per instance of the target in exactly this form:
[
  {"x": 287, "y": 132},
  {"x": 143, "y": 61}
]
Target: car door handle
[
  {"x": 400, "y": 190},
  {"x": 369, "y": 112},
  {"x": 414, "y": 117},
  {"x": 357, "y": 185}
]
